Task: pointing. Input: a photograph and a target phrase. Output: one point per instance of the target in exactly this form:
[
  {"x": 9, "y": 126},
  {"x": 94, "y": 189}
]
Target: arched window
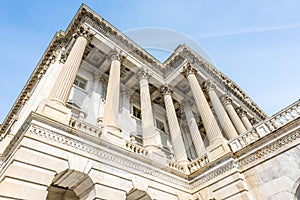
[
  {"x": 298, "y": 193},
  {"x": 71, "y": 185}
]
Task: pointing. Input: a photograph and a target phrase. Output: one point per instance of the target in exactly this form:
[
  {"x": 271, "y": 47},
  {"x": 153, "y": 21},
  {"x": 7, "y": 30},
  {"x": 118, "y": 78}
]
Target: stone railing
[
  {"x": 136, "y": 148},
  {"x": 284, "y": 116},
  {"x": 198, "y": 163},
  {"x": 176, "y": 166},
  {"x": 265, "y": 127},
  {"x": 84, "y": 127}
]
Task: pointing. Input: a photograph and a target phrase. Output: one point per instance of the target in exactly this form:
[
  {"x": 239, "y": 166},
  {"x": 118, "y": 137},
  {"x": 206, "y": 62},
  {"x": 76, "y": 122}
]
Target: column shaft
[
  {"x": 224, "y": 119},
  {"x": 175, "y": 132},
  {"x": 243, "y": 115},
  {"x": 148, "y": 130},
  {"x": 63, "y": 85},
  {"x": 209, "y": 121},
  {"x": 111, "y": 108},
  {"x": 233, "y": 115},
  {"x": 195, "y": 133}
]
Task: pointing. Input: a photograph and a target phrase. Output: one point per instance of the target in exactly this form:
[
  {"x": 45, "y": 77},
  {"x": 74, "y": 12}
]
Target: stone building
[{"x": 100, "y": 118}]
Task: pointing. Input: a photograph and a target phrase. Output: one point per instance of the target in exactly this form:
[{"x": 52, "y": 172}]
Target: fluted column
[
  {"x": 148, "y": 130},
  {"x": 175, "y": 132},
  {"x": 193, "y": 127},
  {"x": 210, "y": 124},
  {"x": 55, "y": 106},
  {"x": 227, "y": 101},
  {"x": 243, "y": 115},
  {"x": 223, "y": 118},
  {"x": 63, "y": 84},
  {"x": 111, "y": 107}
]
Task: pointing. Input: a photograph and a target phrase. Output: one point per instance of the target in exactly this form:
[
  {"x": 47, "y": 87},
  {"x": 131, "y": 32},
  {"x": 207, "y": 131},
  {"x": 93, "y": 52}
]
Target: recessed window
[
  {"x": 160, "y": 125},
  {"x": 136, "y": 112},
  {"x": 80, "y": 82}
]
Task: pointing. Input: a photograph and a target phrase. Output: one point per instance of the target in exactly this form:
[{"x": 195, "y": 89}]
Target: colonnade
[{"x": 231, "y": 122}]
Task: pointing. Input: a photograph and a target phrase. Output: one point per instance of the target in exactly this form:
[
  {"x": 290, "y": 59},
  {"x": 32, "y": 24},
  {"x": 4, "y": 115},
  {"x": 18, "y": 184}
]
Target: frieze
[
  {"x": 104, "y": 154},
  {"x": 269, "y": 148},
  {"x": 213, "y": 174}
]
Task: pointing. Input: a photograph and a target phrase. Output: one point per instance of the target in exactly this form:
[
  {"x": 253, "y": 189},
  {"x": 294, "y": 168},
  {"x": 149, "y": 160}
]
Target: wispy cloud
[{"x": 250, "y": 30}]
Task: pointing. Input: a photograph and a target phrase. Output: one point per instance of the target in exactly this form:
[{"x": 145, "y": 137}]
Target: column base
[
  {"x": 217, "y": 149},
  {"x": 156, "y": 154},
  {"x": 112, "y": 134},
  {"x": 55, "y": 110}
]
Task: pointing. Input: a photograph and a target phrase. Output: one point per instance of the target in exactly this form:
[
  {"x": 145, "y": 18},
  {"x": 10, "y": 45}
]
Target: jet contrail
[{"x": 252, "y": 30}]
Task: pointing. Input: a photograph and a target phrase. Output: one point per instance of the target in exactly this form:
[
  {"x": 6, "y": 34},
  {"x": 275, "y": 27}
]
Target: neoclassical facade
[{"x": 100, "y": 118}]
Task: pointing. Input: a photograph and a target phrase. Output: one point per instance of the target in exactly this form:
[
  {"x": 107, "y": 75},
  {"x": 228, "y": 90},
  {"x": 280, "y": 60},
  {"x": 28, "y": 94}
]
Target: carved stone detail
[
  {"x": 225, "y": 99},
  {"x": 241, "y": 112},
  {"x": 189, "y": 69},
  {"x": 166, "y": 90},
  {"x": 85, "y": 32},
  {"x": 107, "y": 156},
  {"x": 209, "y": 85},
  {"x": 143, "y": 74}
]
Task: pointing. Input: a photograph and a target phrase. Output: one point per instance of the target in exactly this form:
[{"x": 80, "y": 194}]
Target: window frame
[{"x": 80, "y": 80}]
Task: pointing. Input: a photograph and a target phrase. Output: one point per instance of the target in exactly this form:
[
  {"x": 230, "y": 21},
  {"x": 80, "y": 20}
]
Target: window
[
  {"x": 80, "y": 82},
  {"x": 136, "y": 112},
  {"x": 160, "y": 125}
]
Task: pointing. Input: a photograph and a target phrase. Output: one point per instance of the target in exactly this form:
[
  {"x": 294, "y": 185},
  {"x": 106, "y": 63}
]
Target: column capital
[
  {"x": 241, "y": 112},
  {"x": 143, "y": 74},
  {"x": 225, "y": 99},
  {"x": 126, "y": 91},
  {"x": 188, "y": 69},
  {"x": 103, "y": 79},
  {"x": 166, "y": 90},
  {"x": 253, "y": 120},
  {"x": 84, "y": 31},
  {"x": 116, "y": 55},
  {"x": 209, "y": 85},
  {"x": 186, "y": 103}
]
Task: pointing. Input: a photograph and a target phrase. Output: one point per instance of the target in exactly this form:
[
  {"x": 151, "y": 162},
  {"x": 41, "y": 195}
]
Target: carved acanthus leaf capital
[
  {"x": 253, "y": 120},
  {"x": 116, "y": 55},
  {"x": 186, "y": 103},
  {"x": 103, "y": 79},
  {"x": 188, "y": 69},
  {"x": 166, "y": 90},
  {"x": 143, "y": 74},
  {"x": 241, "y": 112},
  {"x": 84, "y": 31},
  {"x": 225, "y": 99},
  {"x": 209, "y": 85}
]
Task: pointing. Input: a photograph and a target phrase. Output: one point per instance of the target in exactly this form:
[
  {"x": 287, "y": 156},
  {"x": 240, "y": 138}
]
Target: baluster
[
  {"x": 273, "y": 122},
  {"x": 242, "y": 141},
  {"x": 280, "y": 119}
]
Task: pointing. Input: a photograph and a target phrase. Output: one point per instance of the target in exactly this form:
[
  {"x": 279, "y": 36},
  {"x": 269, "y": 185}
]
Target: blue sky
[{"x": 254, "y": 42}]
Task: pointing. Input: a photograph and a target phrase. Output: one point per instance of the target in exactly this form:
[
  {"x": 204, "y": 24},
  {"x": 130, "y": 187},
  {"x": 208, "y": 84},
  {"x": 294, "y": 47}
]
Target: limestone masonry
[{"x": 100, "y": 118}]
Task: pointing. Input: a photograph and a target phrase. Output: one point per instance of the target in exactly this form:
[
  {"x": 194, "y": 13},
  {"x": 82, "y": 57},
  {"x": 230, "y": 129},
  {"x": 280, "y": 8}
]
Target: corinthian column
[
  {"x": 55, "y": 105},
  {"x": 175, "y": 132},
  {"x": 110, "y": 127},
  {"x": 111, "y": 108},
  {"x": 227, "y": 101},
  {"x": 243, "y": 115},
  {"x": 149, "y": 133},
  {"x": 224, "y": 119},
  {"x": 210, "y": 124},
  {"x": 193, "y": 127}
]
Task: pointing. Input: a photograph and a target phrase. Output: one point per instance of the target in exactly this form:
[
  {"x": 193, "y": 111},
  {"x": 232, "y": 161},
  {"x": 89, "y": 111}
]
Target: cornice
[{"x": 183, "y": 51}]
